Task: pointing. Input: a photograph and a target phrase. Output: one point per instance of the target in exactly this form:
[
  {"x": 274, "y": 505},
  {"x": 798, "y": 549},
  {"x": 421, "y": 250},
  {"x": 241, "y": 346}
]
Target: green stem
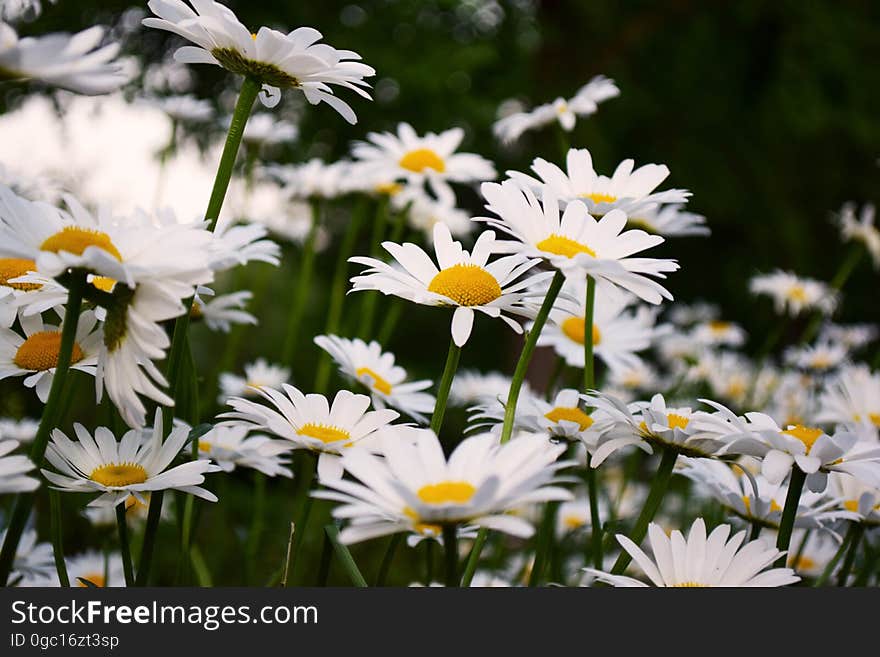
[
  {"x": 649, "y": 510},
  {"x": 369, "y": 308},
  {"x": 558, "y": 369},
  {"x": 124, "y": 546},
  {"x": 388, "y": 559},
  {"x": 450, "y": 550},
  {"x": 303, "y": 285},
  {"x": 24, "y": 501},
  {"x": 595, "y": 518},
  {"x": 253, "y": 542},
  {"x": 840, "y": 278},
  {"x": 544, "y": 542},
  {"x": 390, "y": 322},
  {"x": 57, "y": 537},
  {"x": 307, "y": 475},
  {"x": 831, "y": 565},
  {"x": 474, "y": 557},
  {"x": 867, "y": 570},
  {"x": 452, "y": 358},
  {"x": 345, "y": 557},
  {"x": 755, "y": 531},
  {"x": 843, "y": 575},
  {"x": 789, "y": 513},
  {"x": 429, "y": 561},
  {"x": 326, "y": 559},
  {"x": 589, "y": 367}
]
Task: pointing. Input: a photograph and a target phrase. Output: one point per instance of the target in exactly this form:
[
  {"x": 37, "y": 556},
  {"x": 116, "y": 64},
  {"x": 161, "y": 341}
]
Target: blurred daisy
[
  {"x": 375, "y": 369},
  {"x": 312, "y": 179},
  {"x": 792, "y": 401},
  {"x": 465, "y": 281},
  {"x": 700, "y": 561},
  {"x": 584, "y": 103},
  {"x": 24, "y": 430},
  {"x": 131, "y": 466},
  {"x": 13, "y": 10},
  {"x": 817, "y": 552},
  {"x": 687, "y": 314},
  {"x": 425, "y": 212},
  {"x": 852, "y": 398},
  {"x": 415, "y": 486},
  {"x": 23, "y": 290},
  {"x": 33, "y": 560},
  {"x": 220, "y": 313},
  {"x": 279, "y": 61},
  {"x": 576, "y": 243},
  {"x": 35, "y": 356},
  {"x": 431, "y": 158},
  {"x": 627, "y": 381},
  {"x": 231, "y": 446},
  {"x": 861, "y": 501},
  {"x": 628, "y": 190},
  {"x": 793, "y": 295},
  {"x": 312, "y": 422},
  {"x": 263, "y": 129},
  {"x": 136, "y": 511},
  {"x": 257, "y": 374},
  {"x": 14, "y": 469},
  {"x": 96, "y": 568},
  {"x": 716, "y": 332},
  {"x": 186, "y": 109},
  {"x": 819, "y": 358},
  {"x": 473, "y": 387},
  {"x": 861, "y": 228},
  {"x": 75, "y": 62},
  {"x": 730, "y": 375},
  {"x": 851, "y": 336},
  {"x": 669, "y": 220}
]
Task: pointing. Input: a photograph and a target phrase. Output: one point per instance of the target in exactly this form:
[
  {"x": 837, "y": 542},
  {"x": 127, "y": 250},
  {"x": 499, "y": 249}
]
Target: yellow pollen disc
[
  {"x": 595, "y": 197},
  {"x": 204, "y": 446},
  {"x": 573, "y": 522},
  {"x": 851, "y": 505},
  {"x": 40, "y": 352},
  {"x": 562, "y": 109},
  {"x": 115, "y": 475},
  {"x": 103, "y": 283},
  {"x": 467, "y": 285},
  {"x": 821, "y": 362},
  {"x": 564, "y": 246},
  {"x": 378, "y": 382},
  {"x": 717, "y": 326},
  {"x": 875, "y": 419},
  {"x": 323, "y": 432},
  {"x": 689, "y": 585},
  {"x": 133, "y": 504},
  {"x": 802, "y": 563},
  {"x": 421, "y": 159},
  {"x": 74, "y": 239},
  {"x": 424, "y": 528},
  {"x": 797, "y": 293},
  {"x": 572, "y": 414},
  {"x": 807, "y": 435},
  {"x": 736, "y": 389},
  {"x": 774, "y": 506},
  {"x": 447, "y": 492},
  {"x": 13, "y": 268},
  {"x": 677, "y": 421},
  {"x": 254, "y": 36},
  {"x": 573, "y": 327},
  {"x": 390, "y": 189},
  {"x": 95, "y": 578}
]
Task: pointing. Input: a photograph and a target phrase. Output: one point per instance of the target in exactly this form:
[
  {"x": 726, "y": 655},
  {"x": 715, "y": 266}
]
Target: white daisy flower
[
  {"x": 29, "y": 294},
  {"x": 819, "y": 358},
  {"x": 574, "y": 516},
  {"x": 431, "y": 159},
  {"x": 793, "y": 295},
  {"x": 14, "y": 10},
  {"x": 312, "y": 179},
  {"x": 99, "y": 570},
  {"x": 33, "y": 560},
  {"x": 263, "y": 129},
  {"x": 669, "y": 220},
  {"x": 425, "y": 212},
  {"x": 375, "y": 369},
  {"x": 24, "y": 430},
  {"x": 627, "y": 190},
  {"x": 221, "y": 312},
  {"x": 134, "y": 465},
  {"x": 687, "y": 314},
  {"x": 625, "y": 382},
  {"x": 793, "y": 401},
  {"x": 293, "y": 60},
  {"x": 851, "y": 336},
  {"x": 74, "y": 62},
  {"x": 730, "y": 375},
  {"x": 861, "y": 228},
  {"x": 136, "y": 511},
  {"x": 852, "y": 398},
  {"x": 231, "y": 446},
  {"x": 257, "y": 374},
  {"x": 416, "y": 486},
  {"x": 186, "y": 108},
  {"x": 312, "y": 422},
  {"x": 472, "y": 387},
  {"x": 14, "y": 469},
  {"x": 466, "y": 281},
  {"x": 576, "y": 243},
  {"x": 817, "y": 552},
  {"x": 716, "y": 332},
  {"x": 701, "y": 561},
  {"x": 35, "y": 356},
  {"x": 584, "y": 103},
  {"x": 618, "y": 331},
  {"x": 859, "y": 499}
]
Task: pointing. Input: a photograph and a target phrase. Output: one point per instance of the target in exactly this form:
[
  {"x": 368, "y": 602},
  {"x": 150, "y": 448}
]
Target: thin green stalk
[
  {"x": 450, "y": 551},
  {"x": 800, "y": 550},
  {"x": 307, "y": 475},
  {"x": 474, "y": 557},
  {"x": 392, "y": 317},
  {"x": 326, "y": 560},
  {"x": 871, "y": 556},
  {"x": 544, "y": 542},
  {"x": 558, "y": 369},
  {"x": 789, "y": 512},
  {"x": 589, "y": 366},
  {"x": 649, "y": 510},
  {"x": 387, "y": 560},
  {"x": 368, "y": 311},
  {"x": 256, "y": 530},
  {"x": 24, "y": 501},
  {"x": 57, "y": 537},
  {"x": 755, "y": 531},
  {"x": 303, "y": 285},
  {"x": 845, "y": 570},
  {"x": 452, "y": 358},
  {"x": 831, "y": 565},
  {"x": 345, "y": 557},
  {"x": 595, "y": 518},
  {"x": 124, "y": 546},
  {"x": 429, "y": 561},
  {"x": 846, "y": 268},
  {"x": 247, "y": 95}
]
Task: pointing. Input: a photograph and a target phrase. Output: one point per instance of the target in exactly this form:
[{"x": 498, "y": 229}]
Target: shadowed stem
[
  {"x": 590, "y": 384},
  {"x": 307, "y": 475},
  {"x": 858, "y": 531},
  {"x": 57, "y": 537},
  {"x": 388, "y": 559},
  {"x": 369, "y": 308},
  {"x": 124, "y": 546},
  {"x": 345, "y": 558},
  {"x": 301, "y": 293},
  {"x": 789, "y": 513},
  {"x": 831, "y": 565},
  {"x": 450, "y": 550},
  {"x": 452, "y": 358},
  {"x": 25, "y": 501}
]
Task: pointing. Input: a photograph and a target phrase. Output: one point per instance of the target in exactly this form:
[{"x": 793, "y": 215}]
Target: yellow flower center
[
  {"x": 797, "y": 293},
  {"x": 95, "y": 578},
  {"x": 676, "y": 421},
  {"x": 572, "y": 522},
  {"x": 562, "y": 108},
  {"x": 736, "y": 389},
  {"x": 11, "y": 268},
  {"x": 564, "y": 246},
  {"x": 389, "y": 189},
  {"x": 851, "y": 505},
  {"x": 807, "y": 435},
  {"x": 573, "y": 327},
  {"x": 875, "y": 419},
  {"x": 821, "y": 362},
  {"x": 689, "y": 585},
  {"x": 717, "y": 326},
  {"x": 74, "y": 239},
  {"x": 204, "y": 446},
  {"x": 133, "y": 504},
  {"x": 802, "y": 563},
  {"x": 424, "y": 528},
  {"x": 103, "y": 283},
  {"x": 323, "y": 432},
  {"x": 572, "y": 414},
  {"x": 115, "y": 475},
  {"x": 377, "y": 382},
  {"x": 747, "y": 502},
  {"x": 254, "y": 36},
  {"x": 421, "y": 159},
  {"x": 40, "y": 352},
  {"x": 447, "y": 492},
  {"x": 596, "y": 197},
  {"x": 467, "y": 285}
]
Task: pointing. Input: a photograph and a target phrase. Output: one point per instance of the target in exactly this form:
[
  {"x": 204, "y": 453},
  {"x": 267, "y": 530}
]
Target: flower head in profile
[
  {"x": 861, "y": 228},
  {"x": 718, "y": 333},
  {"x": 186, "y": 108},
  {"x": 852, "y": 398},
  {"x": 257, "y": 374},
  {"x": 376, "y": 370},
  {"x": 75, "y": 62},
  {"x": 576, "y": 242},
  {"x": 220, "y": 313},
  {"x": 819, "y": 358},
  {"x": 88, "y": 569},
  {"x": 33, "y": 560},
  {"x": 669, "y": 220},
  {"x": 264, "y": 129},
  {"x": 23, "y": 430},
  {"x": 14, "y": 469},
  {"x": 695, "y": 561},
  {"x": 793, "y": 295},
  {"x": 135, "y": 465},
  {"x": 279, "y": 61},
  {"x": 234, "y": 446},
  {"x": 465, "y": 281},
  {"x": 472, "y": 387},
  {"x": 628, "y": 189},
  {"x": 415, "y": 488}
]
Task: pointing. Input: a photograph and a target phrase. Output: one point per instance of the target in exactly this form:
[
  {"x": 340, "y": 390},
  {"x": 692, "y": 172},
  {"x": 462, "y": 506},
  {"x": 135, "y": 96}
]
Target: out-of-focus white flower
[
  {"x": 256, "y": 375},
  {"x": 792, "y": 294},
  {"x": 221, "y": 312},
  {"x": 717, "y": 333},
  {"x": 264, "y": 129},
  {"x": 670, "y": 221},
  {"x": 819, "y": 358},
  {"x": 861, "y": 228},
  {"x": 186, "y": 109}
]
